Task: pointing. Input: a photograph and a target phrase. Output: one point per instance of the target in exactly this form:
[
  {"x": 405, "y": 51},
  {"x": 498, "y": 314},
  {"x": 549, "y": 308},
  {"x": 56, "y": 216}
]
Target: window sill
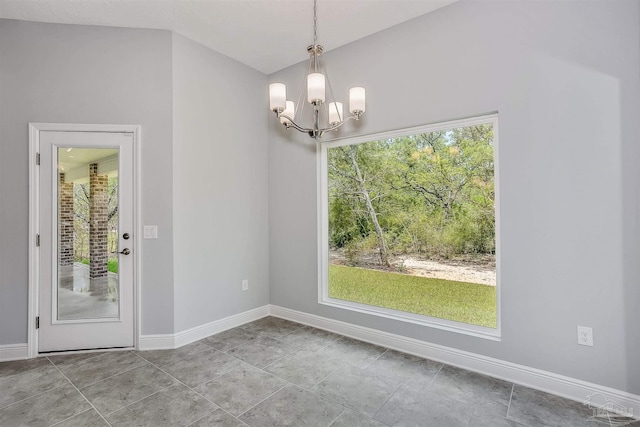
[{"x": 417, "y": 319}]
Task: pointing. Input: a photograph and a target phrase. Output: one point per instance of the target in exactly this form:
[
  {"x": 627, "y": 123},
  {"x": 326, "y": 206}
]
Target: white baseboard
[
  {"x": 549, "y": 382},
  {"x": 169, "y": 341},
  {"x": 156, "y": 342},
  {"x": 217, "y": 326},
  {"x": 13, "y": 352}
]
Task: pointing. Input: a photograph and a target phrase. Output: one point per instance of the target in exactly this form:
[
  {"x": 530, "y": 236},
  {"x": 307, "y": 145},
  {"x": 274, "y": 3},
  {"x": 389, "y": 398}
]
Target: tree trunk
[{"x": 384, "y": 255}]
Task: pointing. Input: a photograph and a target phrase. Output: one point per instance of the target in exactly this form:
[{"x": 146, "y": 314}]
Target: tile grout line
[
  {"x": 106, "y": 378},
  {"x": 513, "y": 386},
  {"x": 387, "y": 399},
  {"x": 33, "y": 395},
  {"x": 262, "y": 369},
  {"x": 229, "y": 349},
  {"x": 434, "y": 377},
  {"x": 236, "y": 358},
  {"x": 340, "y": 366},
  {"x": 195, "y": 391},
  {"x": 128, "y": 370},
  {"x": 336, "y": 418},
  {"x": 327, "y": 398},
  {"x": 141, "y": 399},
  {"x": 251, "y": 407},
  {"x": 111, "y": 376},
  {"x": 275, "y": 361},
  {"x": 398, "y": 387},
  {"x": 72, "y": 416},
  {"x": 403, "y": 382},
  {"x": 376, "y": 359},
  {"x": 232, "y": 370},
  {"x": 208, "y": 347},
  {"x": 95, "y": 354},
  {"x": 295, "y": 349},
  {"x": 257, "y": 335},
  {"x": 280, "y": 340},
  {"x": 289, "y": 383},
  {"x": 299, "y": 349},
  {"x": 218, "y": 408},
  {"x": 30, "y": 397},
  {"x": 83, "y": 396}
]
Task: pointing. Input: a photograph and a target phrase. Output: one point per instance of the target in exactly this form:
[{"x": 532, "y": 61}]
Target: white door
[{"x": 86, "y": 218}]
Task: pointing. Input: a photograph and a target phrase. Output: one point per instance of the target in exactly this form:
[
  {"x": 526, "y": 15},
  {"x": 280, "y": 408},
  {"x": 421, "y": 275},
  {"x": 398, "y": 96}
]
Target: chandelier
[{"x": 286, "y": 110}]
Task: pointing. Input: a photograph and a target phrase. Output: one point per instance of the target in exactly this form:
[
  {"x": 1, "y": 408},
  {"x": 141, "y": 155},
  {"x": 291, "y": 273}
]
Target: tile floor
[
  {"x": 270, "y": 372},
  {"x": 80, "y": 297}
]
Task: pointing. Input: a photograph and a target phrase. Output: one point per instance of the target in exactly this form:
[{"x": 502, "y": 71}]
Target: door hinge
[
  {"x": 37, "y": 240},
  {"x": 37, "y": 322},
  {"x": 38, "y": 159}
]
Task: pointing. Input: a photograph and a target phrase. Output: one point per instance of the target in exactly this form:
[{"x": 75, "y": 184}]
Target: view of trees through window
[{"x": 412, "y": 224}]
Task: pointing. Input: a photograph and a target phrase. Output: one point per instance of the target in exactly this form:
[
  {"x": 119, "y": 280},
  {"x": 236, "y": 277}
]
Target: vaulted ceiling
[{"x": 267, "y": 35}]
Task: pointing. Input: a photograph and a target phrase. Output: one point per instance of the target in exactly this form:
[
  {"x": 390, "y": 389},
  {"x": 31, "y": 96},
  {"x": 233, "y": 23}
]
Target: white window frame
[{"x": 323, "y": 232}]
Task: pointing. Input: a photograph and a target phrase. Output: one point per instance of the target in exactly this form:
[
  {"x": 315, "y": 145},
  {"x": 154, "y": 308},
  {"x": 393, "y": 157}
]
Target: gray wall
[
  {"x": 564, "y": 77},
  {"x": 220, "y": 210},
  {"x": 77, "y": 74}
]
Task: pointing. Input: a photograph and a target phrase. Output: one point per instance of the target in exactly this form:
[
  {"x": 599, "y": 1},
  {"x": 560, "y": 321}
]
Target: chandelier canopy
[{"x": 287, "y": 111}]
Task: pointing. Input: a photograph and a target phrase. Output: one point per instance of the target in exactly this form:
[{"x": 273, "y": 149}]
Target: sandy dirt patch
[
  {"x": 480, "y": 270},
  {"x": 450, "y": 271}
]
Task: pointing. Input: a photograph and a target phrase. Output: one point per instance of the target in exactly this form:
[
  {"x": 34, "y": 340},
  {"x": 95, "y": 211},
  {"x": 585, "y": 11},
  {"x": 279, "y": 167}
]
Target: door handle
[{"x": 125, "y": 251}]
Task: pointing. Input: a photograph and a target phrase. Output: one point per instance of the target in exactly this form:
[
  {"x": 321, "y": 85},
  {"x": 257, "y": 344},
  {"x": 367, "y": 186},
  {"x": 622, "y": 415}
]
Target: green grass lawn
[
  {"x": 112, "y": 264},
  {"x": 462, "y": 302}
]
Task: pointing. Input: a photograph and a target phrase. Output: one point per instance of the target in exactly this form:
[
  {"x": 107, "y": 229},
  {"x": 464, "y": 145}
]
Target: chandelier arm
[
  {"x": 337, "y": 125},
  {"x": 293, "y": 124},
  {"x": 315, "y": 131}
]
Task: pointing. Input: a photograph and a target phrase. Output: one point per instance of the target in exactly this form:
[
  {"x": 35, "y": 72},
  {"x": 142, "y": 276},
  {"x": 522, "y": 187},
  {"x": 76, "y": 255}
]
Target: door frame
[{"x": 34, "y": 221}]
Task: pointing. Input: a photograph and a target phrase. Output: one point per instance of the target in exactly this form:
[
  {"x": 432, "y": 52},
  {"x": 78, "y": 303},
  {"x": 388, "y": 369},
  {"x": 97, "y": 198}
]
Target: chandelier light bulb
[
  {"x": 315, "y": 88},
  {"x": 335, "y": 113},
  {"x": 289, "y": 111},
  {"x": 356, "y": 100},
  {"x": 277, "y": 96}
]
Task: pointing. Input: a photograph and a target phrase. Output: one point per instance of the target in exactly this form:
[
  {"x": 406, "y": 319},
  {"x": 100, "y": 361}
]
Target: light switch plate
[{"x": 150, "y": 232}]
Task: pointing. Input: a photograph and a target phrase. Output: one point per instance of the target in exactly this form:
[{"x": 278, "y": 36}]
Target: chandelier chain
[{"x": 315, "y": 22}]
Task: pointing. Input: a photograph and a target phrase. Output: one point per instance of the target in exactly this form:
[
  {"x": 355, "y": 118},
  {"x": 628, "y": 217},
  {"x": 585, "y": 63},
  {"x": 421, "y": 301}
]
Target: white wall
[
  {"x": 564, "y": 77},
  {"x": 220, "y": 206},
  {"x": 78, "y": 74}
]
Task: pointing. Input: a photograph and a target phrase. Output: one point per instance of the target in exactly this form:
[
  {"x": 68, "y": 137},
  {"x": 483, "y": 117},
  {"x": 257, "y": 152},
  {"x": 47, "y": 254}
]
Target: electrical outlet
[
  {"x": 585, "y": 336},
  {"x": 245, "y": 285}
]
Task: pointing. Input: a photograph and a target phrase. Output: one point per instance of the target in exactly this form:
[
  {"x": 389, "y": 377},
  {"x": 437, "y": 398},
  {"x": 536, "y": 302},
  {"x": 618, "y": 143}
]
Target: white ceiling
[
  {"x": 74, "y": 162},
  {"x": 267, "y": 35}
]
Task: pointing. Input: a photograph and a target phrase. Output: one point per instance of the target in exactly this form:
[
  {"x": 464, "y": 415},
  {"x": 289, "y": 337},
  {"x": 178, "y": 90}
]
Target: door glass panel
[{"x": 87, "y": 248}]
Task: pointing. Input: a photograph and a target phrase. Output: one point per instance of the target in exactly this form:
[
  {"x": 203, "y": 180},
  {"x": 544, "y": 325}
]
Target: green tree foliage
[{"x": 429, "y": 193}]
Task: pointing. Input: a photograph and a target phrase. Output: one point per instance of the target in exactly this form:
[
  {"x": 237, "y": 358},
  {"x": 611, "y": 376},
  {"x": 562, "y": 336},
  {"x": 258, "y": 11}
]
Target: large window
[{"x": 408, "y": 225}]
